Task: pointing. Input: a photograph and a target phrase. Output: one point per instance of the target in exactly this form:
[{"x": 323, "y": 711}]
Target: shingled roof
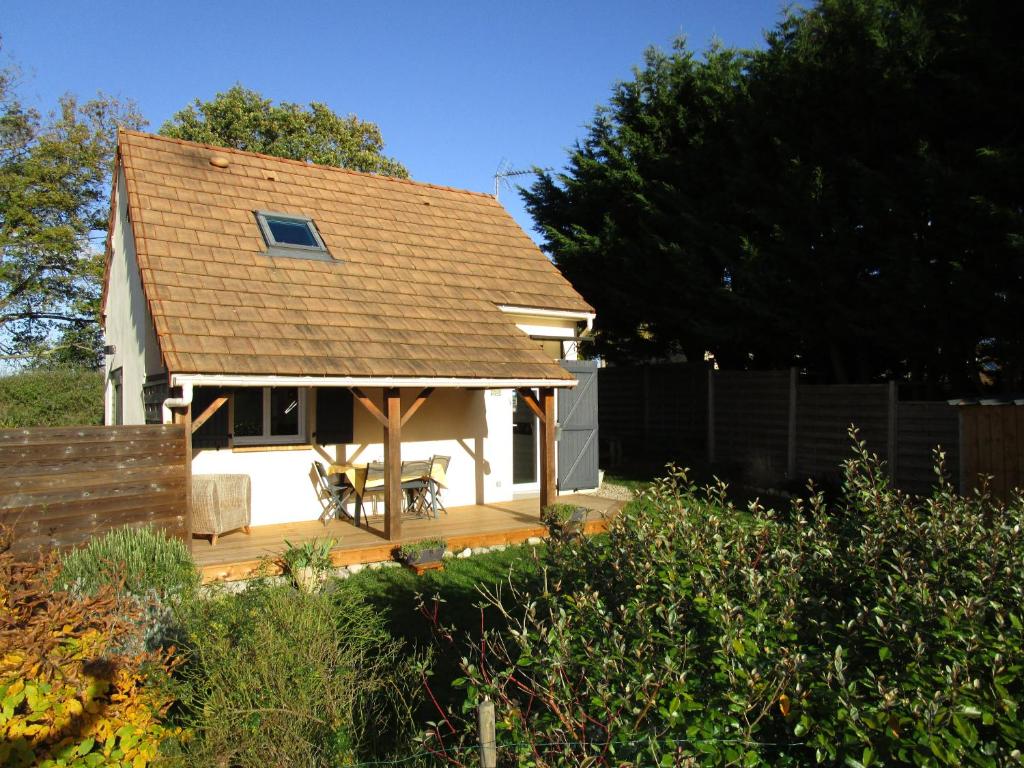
[{"x": 413, "y": 289}]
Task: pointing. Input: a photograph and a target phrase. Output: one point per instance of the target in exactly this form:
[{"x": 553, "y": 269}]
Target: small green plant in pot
[
  {"x": 563, "y": 520},
  {"x": 308, "y": 563},
  {"x": 421, "y": 553}
]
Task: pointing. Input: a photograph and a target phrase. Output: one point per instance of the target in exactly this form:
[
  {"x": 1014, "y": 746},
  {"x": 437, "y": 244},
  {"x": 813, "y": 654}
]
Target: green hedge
[
  {"x": 55, "y": 397},
  {"x": 880, "y": 629}
]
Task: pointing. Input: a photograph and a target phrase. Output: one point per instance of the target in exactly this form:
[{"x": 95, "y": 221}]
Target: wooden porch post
[
  {"x": 393, "y": 464},
  {"x": 548, "y": 487},
  {"x": 184, "y": 417}
]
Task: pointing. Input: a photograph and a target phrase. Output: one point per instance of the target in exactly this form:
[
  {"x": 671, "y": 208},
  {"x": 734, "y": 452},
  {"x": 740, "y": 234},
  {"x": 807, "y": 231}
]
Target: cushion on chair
[{"x": 220, "y": 503}]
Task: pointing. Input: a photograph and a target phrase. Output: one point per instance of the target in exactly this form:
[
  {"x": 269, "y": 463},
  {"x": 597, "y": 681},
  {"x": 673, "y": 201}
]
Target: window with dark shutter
[
  {"x": 333, "y": 415},
  {"x": 214, "y": 433}
]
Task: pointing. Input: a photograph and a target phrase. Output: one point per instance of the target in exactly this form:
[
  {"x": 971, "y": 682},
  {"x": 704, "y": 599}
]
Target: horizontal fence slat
[{"x": 60, "y": 486}]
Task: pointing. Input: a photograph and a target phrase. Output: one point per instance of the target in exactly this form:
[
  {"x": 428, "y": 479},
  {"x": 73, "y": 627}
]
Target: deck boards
[{"x": 237, "y": 555}]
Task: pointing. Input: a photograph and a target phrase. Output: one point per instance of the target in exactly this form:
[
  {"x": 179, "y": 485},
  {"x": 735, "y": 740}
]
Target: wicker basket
[{"x": 220, "y": 503}]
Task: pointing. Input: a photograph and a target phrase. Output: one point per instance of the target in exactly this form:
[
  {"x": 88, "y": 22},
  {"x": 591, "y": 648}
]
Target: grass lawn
[{"x": 396, "y": 593}]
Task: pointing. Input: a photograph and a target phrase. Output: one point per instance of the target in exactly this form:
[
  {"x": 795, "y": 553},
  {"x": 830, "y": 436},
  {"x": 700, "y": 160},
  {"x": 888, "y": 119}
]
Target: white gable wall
[{"x": 128, "y": 325}]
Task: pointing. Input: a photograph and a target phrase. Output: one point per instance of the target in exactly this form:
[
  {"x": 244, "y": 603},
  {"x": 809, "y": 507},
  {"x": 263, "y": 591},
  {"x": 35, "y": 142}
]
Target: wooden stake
[{"x": 488, "y": 742}]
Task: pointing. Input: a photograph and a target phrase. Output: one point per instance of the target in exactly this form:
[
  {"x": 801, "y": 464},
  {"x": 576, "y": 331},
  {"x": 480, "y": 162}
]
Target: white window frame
[
  {"x": 266, "y": 438},
  {"x": 293, "y": 250}
]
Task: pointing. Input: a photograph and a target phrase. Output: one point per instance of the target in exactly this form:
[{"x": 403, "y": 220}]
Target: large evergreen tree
[{"x": 847, "y": 199}]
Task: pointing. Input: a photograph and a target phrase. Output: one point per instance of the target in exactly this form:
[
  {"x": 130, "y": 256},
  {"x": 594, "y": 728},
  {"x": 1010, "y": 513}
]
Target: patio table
[{"x": 363, "y": 479}]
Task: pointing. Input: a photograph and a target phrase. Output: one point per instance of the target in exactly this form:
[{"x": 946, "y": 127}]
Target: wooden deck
[{"x": 237, "y": 555}]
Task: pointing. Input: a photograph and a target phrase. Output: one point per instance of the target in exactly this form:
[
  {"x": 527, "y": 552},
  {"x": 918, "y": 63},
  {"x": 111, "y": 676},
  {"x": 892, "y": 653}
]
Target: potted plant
[
  {"x": 422, "y": 555},
  {"x": 563, "y": 520},
  {"x": 308, "y": 563}
]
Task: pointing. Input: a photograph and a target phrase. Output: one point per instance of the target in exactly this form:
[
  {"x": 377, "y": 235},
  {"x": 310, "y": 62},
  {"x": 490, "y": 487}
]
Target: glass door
[{"x": 524, "y": 443}]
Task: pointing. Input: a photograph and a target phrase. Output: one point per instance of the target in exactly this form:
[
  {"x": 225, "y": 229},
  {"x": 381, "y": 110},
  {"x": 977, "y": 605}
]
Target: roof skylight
[{"x": 291, "y": 235}]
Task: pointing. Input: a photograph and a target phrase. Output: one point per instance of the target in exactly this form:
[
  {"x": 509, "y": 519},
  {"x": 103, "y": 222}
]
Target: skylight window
[{"x": 291, "y": 235}]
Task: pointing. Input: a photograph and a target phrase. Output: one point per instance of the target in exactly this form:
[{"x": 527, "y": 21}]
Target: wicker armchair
[{"x": 220, "y": 503}]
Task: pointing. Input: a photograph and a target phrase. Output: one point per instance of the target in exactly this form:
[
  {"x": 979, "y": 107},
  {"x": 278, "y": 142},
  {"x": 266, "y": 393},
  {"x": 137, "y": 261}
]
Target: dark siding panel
[
  {"x": 214, "y": 433},
  {"x": 333, "y": 416}
]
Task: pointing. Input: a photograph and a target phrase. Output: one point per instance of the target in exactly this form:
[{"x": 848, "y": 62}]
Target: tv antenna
[{"x": 505, "y": 171}]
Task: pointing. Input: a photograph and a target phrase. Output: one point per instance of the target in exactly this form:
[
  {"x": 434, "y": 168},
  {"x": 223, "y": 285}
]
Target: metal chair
[
  {"x": 334, "y": 497},
  {"x": 374, "y": 474},
  {"x": 417, "y": 490},
  {"x": 437, "y": 462}
]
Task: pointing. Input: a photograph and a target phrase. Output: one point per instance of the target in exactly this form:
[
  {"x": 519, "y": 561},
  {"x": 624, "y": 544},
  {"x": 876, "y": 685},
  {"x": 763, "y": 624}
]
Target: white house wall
[
  {"x": 467, "y": 425},
  {"x": 473, "y": 427},
  {"x": 128, "y": 324}
]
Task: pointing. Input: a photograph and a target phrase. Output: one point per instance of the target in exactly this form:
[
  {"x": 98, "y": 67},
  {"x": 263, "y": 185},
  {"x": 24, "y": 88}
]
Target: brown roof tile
[{"x": 412, "y": 289}]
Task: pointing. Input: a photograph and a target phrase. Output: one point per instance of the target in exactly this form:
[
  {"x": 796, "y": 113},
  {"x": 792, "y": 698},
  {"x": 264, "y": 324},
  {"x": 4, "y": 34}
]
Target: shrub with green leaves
[
  {"x": 315, "y": 554},
  {"x": 877, "y": 630},
  {"x": 272, "y": 676},
  {"x": 51, "y": 397},
  {"x": 136, "y": 561}
]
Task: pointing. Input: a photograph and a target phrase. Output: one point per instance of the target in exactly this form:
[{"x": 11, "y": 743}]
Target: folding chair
[
  {"x": 437, "y": 463},
  {"x": 375, "y": 475},
  {"x": 417, "y": 489},
  {"x": 334, "y": 497}
]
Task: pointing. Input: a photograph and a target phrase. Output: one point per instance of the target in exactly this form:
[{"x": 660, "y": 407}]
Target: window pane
[
  {"x": 292, "y": 232},
  {"x": 248, "y": 412},
  {"x": 284, "y": 411}
]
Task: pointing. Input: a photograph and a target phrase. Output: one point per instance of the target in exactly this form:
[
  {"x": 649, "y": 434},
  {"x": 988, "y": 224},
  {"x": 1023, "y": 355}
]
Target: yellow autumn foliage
[{"x": 67, "y": 697}]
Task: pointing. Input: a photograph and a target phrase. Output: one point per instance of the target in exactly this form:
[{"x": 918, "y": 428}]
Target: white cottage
[{"x": 305, "y": 313}]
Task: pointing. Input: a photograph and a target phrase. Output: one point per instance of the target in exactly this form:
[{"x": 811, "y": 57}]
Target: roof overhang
[
  {"x": 232, "y": 380},
  {"x": 567, "y": 314}
]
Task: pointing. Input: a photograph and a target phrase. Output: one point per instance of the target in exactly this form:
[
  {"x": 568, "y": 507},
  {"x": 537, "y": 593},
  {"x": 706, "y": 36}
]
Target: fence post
[
  {"x": 711, "y": 414},
  {"x": 791, "y": 438},
  {"x": 961, "y": 450},
  {"x": 647, "y": 407},
  {"x": 488, "y": 743},
  {"x": 893, "y": 424}
]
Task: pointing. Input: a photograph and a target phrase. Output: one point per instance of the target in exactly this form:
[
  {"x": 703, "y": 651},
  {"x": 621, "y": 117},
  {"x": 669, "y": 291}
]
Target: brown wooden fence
[
  {"x": 992, "y": 438},
  {"x": 60, "y": 486}
]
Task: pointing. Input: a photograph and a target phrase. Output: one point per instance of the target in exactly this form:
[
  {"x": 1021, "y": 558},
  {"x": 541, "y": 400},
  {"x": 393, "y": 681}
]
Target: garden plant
[{"x": 879, "y": 629}]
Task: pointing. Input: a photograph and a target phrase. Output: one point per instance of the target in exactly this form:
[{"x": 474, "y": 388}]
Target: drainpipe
[{"x": 178, "y": 402}]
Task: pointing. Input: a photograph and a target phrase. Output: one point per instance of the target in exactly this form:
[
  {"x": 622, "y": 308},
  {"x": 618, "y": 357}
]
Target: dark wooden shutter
[
  {"x": 333, "y": 416},
  {"x": 214, "y": 433}
]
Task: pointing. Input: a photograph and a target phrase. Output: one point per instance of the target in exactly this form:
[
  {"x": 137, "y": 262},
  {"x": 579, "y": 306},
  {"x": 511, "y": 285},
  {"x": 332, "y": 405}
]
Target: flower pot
[
  {"x": 426, "y": 556},
  {"x": 306, "y": 579}
]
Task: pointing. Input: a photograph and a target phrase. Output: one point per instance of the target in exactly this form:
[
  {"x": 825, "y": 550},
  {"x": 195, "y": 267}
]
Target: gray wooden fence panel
[
  {"x": 621, "y": 404},
  {"x": 751, "y": 420},
  {"x": 823, "y": 415},
  {"x": 655, "y": 410},
  {"x": 920, "y": 428}
]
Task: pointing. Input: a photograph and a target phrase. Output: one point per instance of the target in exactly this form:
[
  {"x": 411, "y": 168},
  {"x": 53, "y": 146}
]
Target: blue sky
[{"x": 457, "y": 88}]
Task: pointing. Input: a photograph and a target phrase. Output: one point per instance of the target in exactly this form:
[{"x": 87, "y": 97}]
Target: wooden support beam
[
  {"x": 369, "y": 405},
  {"x": 531, "y": 400},
  {"x": 548, "y": 486},
  {"x": 211, "y": 409},
  {"x": 421, "y": 398},
  {"x": 393, "y": 464},
  {"x": 184, "y": 417}
]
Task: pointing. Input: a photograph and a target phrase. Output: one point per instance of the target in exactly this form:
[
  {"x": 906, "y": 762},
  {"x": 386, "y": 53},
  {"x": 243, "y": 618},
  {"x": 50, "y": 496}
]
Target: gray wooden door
[{"x": 577, "y": 421}]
